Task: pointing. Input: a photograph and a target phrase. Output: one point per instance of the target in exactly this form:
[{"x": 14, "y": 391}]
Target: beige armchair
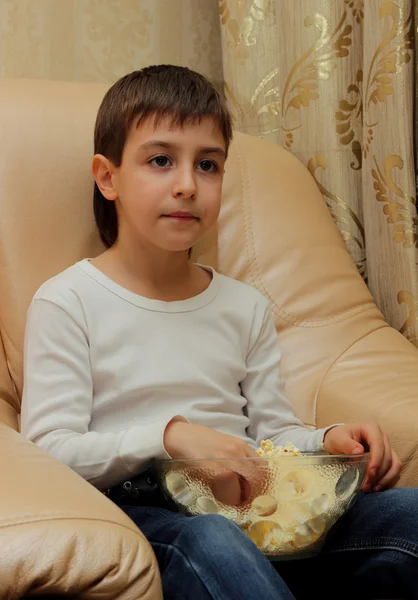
[{"x": 341, "y": 361}]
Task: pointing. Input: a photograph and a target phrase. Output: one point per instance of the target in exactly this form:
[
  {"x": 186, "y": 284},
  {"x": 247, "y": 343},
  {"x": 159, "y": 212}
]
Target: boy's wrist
[
  {"x": 326, "y": 432},
  {"x": 172, "y": 432}
]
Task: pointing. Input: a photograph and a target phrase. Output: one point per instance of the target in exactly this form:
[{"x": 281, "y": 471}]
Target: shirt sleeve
[
  {"x": 58, "y": 398},
  {"x": 270, "y": 412}
]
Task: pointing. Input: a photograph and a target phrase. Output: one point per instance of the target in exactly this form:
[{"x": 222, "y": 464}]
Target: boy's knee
[
  {"x": 398, "y": 501},
  {"x": 206, "y": 524},
  {"x": 405, "y": 504},
  {"x": 391, "y": 514},
  {"x": 212, "y": 529}
]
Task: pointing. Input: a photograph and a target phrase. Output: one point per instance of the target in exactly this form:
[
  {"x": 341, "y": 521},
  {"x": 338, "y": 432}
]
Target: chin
[
  {"x": 179, "y": 251},
  {"x": 176, "y": 249}
]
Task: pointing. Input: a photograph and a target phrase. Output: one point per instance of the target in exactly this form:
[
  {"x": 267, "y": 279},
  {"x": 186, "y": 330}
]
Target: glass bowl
[{"x": 286, "y": 505}]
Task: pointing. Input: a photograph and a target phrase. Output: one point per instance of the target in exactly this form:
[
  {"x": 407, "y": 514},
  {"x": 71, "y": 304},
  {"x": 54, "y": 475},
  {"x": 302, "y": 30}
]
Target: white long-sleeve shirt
[{"x": 106, "y": 370}]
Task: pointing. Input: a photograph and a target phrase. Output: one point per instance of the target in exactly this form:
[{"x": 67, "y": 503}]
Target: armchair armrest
[
  {"x": 376, "y": 379},
  {"x": 60, "y": 535}
]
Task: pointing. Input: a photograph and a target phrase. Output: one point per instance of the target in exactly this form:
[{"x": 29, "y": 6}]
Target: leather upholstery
[
  {"x": 60, "y": 534},
  {"x": 57, "y": 533},
  {"x": 341, "y": 361}
]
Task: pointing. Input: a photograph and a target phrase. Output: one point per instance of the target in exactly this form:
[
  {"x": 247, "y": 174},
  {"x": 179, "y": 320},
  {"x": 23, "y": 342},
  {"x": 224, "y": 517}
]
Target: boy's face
[{"x": 168, "y": 187}]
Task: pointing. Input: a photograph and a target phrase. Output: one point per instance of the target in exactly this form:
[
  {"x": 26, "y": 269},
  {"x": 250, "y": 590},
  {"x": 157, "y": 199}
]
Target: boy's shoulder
[
  {"x": 63, "y": 288},
  {"x": 243, "y": 293}
]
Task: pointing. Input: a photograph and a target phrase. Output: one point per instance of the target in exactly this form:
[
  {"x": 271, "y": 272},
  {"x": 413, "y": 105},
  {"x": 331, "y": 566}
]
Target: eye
[
  {"x": 160, "y": 161},
  {"x": 208, "y": 166}
]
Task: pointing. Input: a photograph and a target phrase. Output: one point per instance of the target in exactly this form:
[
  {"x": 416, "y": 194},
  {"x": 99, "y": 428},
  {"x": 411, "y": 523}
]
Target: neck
[{"x": 157, "y": 269}]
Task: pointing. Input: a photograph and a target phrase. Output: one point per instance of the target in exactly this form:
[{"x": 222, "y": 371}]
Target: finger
[
  {"x": 236, "y": 485},
  {"x": 226, "y": 488},
  {"x": 235, "y": 477},
  {"x": 248, "y": 468},
  {"x": 396, "y": 458},
  {"x": 387, "y": 458},
  {"x": 233, "y": 459},
  {"x": 348, "y": 445},
  {"x": 384, "y": 466},
  {"x": 250, "y": 473},
  {"x": 372, "y": 435},
  {"x": 392, "y": 476},
  {"x": 250, "y": 452}
]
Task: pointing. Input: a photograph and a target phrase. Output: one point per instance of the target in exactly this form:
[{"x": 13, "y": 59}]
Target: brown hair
[{"x": 159, "y": 91}]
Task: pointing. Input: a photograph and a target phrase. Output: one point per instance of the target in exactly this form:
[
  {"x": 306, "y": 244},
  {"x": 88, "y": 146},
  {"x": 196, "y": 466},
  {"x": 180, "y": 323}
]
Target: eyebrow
[{"x": 169, "y": 146}]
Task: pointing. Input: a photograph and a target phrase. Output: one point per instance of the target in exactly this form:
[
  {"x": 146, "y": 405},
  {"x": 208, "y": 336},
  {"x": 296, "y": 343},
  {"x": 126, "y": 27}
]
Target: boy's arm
[
  {"x": 271, "y": 414},
  {"x": 58, "y": 398}
]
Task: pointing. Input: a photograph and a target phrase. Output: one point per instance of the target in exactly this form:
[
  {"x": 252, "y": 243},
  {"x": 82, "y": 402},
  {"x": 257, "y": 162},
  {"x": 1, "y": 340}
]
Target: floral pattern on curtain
[{"x": 333, "y": 82}]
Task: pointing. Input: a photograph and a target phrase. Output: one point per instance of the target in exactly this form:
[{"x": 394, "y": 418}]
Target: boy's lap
[
  {"x": 152, "y": 519},
  {"x": 374, "y": 516},
  {"x": 212, "y": 537},
  {"x": 375, "y": 519},
  {"x": 162, "y": 525}
]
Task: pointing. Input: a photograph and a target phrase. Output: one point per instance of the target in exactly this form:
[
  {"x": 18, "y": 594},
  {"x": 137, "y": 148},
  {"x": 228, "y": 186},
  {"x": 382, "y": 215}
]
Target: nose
[{"x": 184, "y": 185}]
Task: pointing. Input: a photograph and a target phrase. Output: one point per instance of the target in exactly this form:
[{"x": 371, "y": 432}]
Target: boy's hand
[
  {"x": 384, "y": 467},
  {"x": 185, "y": 440}
]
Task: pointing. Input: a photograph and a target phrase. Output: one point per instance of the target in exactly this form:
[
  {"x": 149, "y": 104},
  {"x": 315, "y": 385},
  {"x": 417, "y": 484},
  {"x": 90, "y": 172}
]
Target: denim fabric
[{"x": 372, "y": 553}]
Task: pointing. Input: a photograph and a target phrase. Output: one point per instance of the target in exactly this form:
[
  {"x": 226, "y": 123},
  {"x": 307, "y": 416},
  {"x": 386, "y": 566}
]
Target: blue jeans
[{"x": 372, "y": 553}]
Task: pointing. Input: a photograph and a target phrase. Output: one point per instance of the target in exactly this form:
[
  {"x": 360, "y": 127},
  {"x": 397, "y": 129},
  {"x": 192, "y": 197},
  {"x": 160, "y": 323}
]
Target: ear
[{"x": 103, "y": 171}]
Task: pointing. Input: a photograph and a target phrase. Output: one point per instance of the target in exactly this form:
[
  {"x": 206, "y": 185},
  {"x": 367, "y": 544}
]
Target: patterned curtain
[{"x": 333, "y": 82}]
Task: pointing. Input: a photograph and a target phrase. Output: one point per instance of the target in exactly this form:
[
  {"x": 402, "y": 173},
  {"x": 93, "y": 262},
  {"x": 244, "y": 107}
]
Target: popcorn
[
  {"x": 206, "y": 506},
  {"x": 300, "y": 520},
  {"x": 299, "y": 484},
  {"x": 269, "y": 450},
  {"x": 264, "y": 505},
  {"x": 307, "y": 534},
  {"x": 301, "y": 526},
  {"x": 178, "y": 488},
  {"x": 264, "y": 534}
]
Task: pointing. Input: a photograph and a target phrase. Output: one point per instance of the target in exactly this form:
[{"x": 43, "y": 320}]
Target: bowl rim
[{"x": 325, "y": 456}]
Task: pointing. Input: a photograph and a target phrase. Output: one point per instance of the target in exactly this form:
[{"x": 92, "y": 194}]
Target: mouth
[{"x": 181, "y": 216}]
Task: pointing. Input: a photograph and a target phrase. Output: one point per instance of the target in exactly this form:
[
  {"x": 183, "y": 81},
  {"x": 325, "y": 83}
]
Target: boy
[{"x": 139, "y": 354}]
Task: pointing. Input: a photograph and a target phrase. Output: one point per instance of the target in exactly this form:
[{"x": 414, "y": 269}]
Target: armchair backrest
[{"x": 274, "y": 232}]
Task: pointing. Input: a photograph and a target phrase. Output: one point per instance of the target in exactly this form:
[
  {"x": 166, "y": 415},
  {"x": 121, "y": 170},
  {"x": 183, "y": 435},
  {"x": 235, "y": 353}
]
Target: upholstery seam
[
  {"x": 318, "y": 389},
  {"x": 16, "y": 404},
  {"x": 256, "y": 276},
  {"x": 246, "y": 216},
  {"x": 33, "y": 521}
]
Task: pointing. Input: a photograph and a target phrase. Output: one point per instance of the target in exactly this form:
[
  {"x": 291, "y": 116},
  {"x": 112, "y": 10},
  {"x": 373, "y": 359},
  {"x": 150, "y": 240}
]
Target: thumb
[{"x": 349, "y": 446}]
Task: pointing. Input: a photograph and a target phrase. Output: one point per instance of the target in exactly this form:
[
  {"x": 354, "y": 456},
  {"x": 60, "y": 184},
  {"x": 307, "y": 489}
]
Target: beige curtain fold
[{"x": 333, "y": 82}]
